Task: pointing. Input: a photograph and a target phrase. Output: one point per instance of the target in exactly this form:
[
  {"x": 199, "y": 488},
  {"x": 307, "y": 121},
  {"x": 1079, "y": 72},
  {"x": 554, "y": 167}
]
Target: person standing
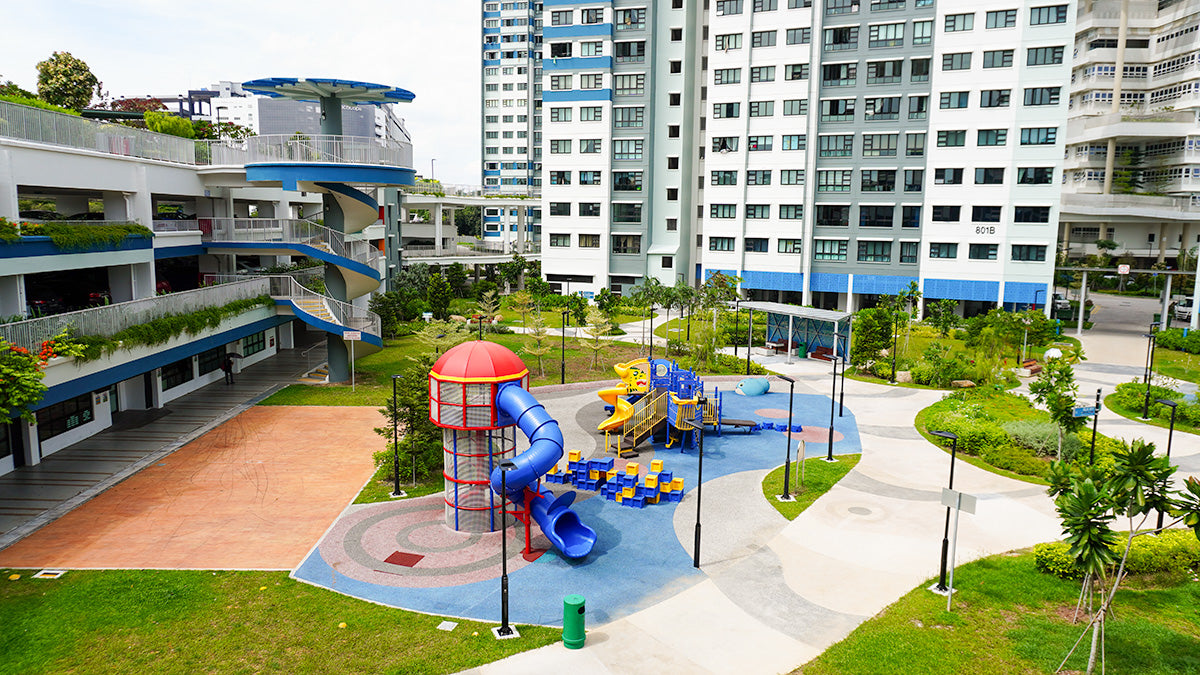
[{"x": 227, "y": 368}]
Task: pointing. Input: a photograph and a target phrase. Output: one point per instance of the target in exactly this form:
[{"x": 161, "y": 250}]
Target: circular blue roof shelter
[{"x": 331, "y": 93}]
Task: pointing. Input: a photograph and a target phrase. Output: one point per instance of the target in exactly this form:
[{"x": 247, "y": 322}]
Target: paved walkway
[{"x": 33, "y": 496}]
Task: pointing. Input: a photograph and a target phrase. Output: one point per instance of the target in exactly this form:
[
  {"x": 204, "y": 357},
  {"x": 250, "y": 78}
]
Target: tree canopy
[{"x": 67, "y": 81}]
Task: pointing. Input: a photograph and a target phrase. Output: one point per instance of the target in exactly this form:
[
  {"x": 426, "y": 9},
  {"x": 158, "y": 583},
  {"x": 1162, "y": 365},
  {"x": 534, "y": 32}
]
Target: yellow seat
[
  {"x": 656, "y": 465},
  {"x": 632, "y": 468},
  {"x": 574, "y": 455}
]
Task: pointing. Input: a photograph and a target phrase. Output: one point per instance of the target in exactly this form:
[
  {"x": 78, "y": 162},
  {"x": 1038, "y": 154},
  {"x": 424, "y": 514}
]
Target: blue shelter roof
[{"x": 311, "y": 89}]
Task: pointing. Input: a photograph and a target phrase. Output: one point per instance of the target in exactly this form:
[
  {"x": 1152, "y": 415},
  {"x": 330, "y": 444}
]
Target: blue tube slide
[{"x": 560, "y": 524}]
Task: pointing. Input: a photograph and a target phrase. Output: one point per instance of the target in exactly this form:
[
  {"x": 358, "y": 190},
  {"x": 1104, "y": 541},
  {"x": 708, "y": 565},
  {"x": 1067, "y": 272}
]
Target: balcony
[
  {"x": 471, "y": 247},
  {"x": 320, "y": 149},
  {"x": 1167, "y": 125},
  {"x": 1081, "y": 206},
  {"x": 54, "y": 128}
]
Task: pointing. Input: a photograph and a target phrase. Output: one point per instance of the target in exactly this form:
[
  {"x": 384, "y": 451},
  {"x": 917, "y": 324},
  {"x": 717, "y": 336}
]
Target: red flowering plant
[{"x": 21, "y": 372}]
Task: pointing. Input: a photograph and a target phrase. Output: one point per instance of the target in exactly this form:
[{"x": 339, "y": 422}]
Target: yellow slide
[{"x": 635, "y": 379}]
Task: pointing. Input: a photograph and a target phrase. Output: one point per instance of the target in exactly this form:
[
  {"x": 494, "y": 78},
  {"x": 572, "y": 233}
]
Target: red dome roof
[{"x": 477, "y": 361}]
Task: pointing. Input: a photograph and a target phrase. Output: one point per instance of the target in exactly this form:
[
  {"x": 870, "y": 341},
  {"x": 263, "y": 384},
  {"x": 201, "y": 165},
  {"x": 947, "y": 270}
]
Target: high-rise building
[{"x": 512, "y": 96}]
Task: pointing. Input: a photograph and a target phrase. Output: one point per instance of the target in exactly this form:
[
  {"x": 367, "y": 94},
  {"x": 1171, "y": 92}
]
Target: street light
[
  {"x": 505, "y": 630},
  {"x": 787, "y": 457},
  {"x": 832, "y": 405},
  {"x": 749, "y": 336},
  {"x": 1170, "y": 435},
  {"x": 941, "y": 584},
  {"x": 396, "y": 492},
  {"x": 895, "y": 346},
  {"x": 699, "y": 428},
  {"x": 737, "y": 324},
  {"x": 842, "y": 391},
  {"x": 1152, "y": 337},
  {"x": 563, "y": 349}
]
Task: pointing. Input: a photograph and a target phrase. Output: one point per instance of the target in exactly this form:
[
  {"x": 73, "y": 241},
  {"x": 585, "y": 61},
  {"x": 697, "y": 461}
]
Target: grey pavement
[{"x": 33, "y": 496}]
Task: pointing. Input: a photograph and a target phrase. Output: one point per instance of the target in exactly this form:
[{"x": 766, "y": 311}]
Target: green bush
[
  {"x": 1055, "y": 558},
  {"x": 1041, "y": 438},
  {"x": 1172, "y": 551},
  {"x": 731, "y": 363},
  {"x": 1173, "y": 338},
  {"x": 1014, "y": 458},
  {"x": 974, "y": 435},
  {"x": 37, "y": 103}
]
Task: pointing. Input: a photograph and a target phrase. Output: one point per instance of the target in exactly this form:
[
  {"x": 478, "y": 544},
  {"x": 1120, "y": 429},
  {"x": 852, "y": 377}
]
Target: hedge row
[{"x": 1173, "y": 551}]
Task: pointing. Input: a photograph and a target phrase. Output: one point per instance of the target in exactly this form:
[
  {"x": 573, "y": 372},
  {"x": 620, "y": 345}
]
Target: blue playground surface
[{"x": 637, "y": 560}]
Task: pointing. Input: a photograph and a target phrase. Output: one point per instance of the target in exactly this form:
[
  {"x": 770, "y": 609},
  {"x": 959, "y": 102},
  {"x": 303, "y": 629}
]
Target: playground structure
[
  {"x": 478, "y": 396},
  {"x": 662, "y": 399},
  {"x": 619, "y": 485}
]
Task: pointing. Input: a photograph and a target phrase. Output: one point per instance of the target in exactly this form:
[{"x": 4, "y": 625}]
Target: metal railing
[
  {"x": 55, "y": 128},
  {"x": 343, "y": 313},
  {"x": 478, "y": 249},
  {"x": 1084, "y": 200},
  {"x": 455, "y": 190},
  {"x": 331, "y": 149},
  {"x": 176, "y": 226},
  {"x": 109, "y": 320},
  {"x": 288, "y": 230},
  {"x": 222, "y": 153}
]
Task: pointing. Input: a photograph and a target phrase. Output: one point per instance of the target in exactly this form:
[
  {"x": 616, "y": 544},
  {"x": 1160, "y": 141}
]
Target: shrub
[
  {"x": 37, "y": 103},
  {"x": 1041, "y": 438},
  {"x": 1171, "y": 551},
  {"x": 1014, "y": 458},
  {"x": 973, "y": 435},
  {"x": 1055, "y": 558},
  {"x": 1173, "y": 338}
]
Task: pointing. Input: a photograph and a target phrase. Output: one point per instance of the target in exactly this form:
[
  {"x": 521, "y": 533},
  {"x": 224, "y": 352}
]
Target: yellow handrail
[{"x": 647, "y": 412}]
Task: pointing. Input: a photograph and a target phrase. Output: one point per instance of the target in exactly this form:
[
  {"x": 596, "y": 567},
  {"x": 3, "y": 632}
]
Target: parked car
[
  {"x": 1183, "y": 310},
  {"x": 1061, "y": 302}
]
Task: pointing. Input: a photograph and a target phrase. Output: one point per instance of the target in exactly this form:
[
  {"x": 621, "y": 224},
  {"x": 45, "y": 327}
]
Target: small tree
[
  {"x": 165, "y": 123},
  {"x": 456, "y": 276},
  {"x": 67, "y": 81},
  {"x": 438, "y": 296},
  {"x": 608, "y": 302},
  {"x": 598, "y": 326},
  {"x": 942, "y": 315},
  {"x": 512, "y": 270},
  {"x": 579, "y": 307},
  {"x": 872, "y": 334},
  {"x": 489, "y": 307},
  {"x": 521, "y": 302},
  {"x": 1055, "y": 389},
  {"x": 422, "y": 438},
  {"x": 539, "y": 341},
  {"x": 467, "y": 221},
  {"x": 438, "y": 336}
]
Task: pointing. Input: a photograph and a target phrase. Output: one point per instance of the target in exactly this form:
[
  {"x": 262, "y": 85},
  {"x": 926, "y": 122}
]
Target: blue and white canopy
[{"x": 347, "y": 91}]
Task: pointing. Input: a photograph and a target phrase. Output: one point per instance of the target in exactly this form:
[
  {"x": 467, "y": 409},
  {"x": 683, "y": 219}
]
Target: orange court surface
[{"x": 257, "y": 492}]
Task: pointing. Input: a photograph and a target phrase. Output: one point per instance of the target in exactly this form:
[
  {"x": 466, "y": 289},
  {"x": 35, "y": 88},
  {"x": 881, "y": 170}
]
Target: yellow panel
[
  {"x": 656, "y": 465},
  {"x": 632, "y": 468}
]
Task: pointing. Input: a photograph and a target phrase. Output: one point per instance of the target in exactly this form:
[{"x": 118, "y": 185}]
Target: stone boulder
[{"x": 962, "y": 384}]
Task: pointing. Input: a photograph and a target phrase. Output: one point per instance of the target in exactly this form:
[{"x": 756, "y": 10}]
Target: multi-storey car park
[{"x": 250, "y": 203}]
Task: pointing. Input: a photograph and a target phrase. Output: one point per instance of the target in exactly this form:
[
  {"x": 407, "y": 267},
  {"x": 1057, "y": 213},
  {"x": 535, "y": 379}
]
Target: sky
[{"x": 160, "y": 47}]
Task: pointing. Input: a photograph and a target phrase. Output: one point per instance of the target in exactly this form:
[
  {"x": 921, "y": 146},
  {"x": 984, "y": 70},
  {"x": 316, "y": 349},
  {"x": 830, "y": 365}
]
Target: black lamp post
[
  {"x": 842, "y": 391},
  {"x": 505, "y": 630},
  {"x": 737, "y": 324},
  {"x": 941, "y": 584},
  {"x": 1152, "y": 337},
  {"x": 1170, "y": 435},
  {"x": 832, "y": 405},
  {"x": 787, "y": 457},
  {"x": 749, "y": 336},
  {"x": 395, "y": 441},
  {"x": 699, "y": 428},
  {"x": 651, "y": 357},
  {"x": 895, "y": 346},
  {"x": 562, "y": 365},
  {"x": 1095, "y": 423}
]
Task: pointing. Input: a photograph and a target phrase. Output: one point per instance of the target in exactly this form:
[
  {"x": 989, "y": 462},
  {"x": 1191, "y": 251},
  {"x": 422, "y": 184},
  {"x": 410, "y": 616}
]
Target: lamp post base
[
  {"x": 940, "y": 590},
  {"x": 398, "y": 495},
  {"x": 512, "y": 633},
  {"x": 784, "y": 498}
]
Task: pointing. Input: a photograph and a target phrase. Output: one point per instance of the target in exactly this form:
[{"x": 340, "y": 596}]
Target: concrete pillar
[
  {"x": 71, "y": 205},
  {"x": 1185, "y": 241},
  {"x": 522, "y": 228},
  {"x": 265, "y": 209},
  {"x": 850, "y": 308},
  {"x": 10, "y": 207},
  {"x": 115, "y": 206},
  {"x": 12, "y": 295},
  {"x": 437, "y": 228},
  {"x": 241, "y": 209},
  {"x": 143, "y": 281},
  {"x": 1166, "y": 299},
  {"x": 287, "y": 339},
  {"x": 331, "y": 116},
  {"x": 1162, "y": 242},
  {"x": 120, "y": 283},
  {"x": 1195, "y": 303},
  {"x": 1082, "y": 304}
]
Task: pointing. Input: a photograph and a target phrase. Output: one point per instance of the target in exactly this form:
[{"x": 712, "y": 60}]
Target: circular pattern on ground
[{"x": 772, "y": 413}]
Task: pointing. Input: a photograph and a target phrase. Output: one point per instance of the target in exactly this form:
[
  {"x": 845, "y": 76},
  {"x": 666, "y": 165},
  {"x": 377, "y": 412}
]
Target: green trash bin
[{"x": 573, "y": 613}]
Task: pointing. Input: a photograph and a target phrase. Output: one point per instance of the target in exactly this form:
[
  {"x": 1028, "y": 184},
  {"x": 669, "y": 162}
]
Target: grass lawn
[
  {"x": 819, "y": 476},
  {"x": 226, "y": 622},
  {"x": 1177, "y": 365},
  {"x": 1110, "y": 403},
  {"x": 1010, "y": 618}
]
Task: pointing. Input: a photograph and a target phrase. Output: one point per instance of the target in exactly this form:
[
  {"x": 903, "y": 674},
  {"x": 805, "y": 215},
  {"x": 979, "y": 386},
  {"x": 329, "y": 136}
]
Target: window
[
  {"x": 66, "y": 415},
  {"x": 764, "y": 38},
  {"x": 626, "y": 213},
  {"x": 625, "y": 118},
  {"x": 210, "y": 360},
  {"x": 1043, "y": 56},
  {"x": 837, "y": 110},
  {"x": 886, "y": 35},
  {"x": 591, "y": 48},
  {"x": 829, "y": 249},
  {"x": 940, "y": 250},
  {"x": 791, "y": 211},
  {"x": 791, "y": 176},
  {"x": 589, "y": 241},
  {"x": 911, "y": 216},
  {"x": 674, "y": 99},
  {"x": 762, "y": 74},
  {"x": 795, "y": 71},
  {"x": 591, "y": 81},
  {"x": 723, "y": 178},
  {"x": 1039, "y": 16},
  {"x": 758, "y": 211},
  {"x": 985, "y": 214},
  {"x": 919, "y": 70},
  {"x": 989, "y": 137},
  {"x": 878, "y": 180},
  {"x": 909, "y": 251},
  {"x": 922, "y": 32},
  {"x": 762, "y": 108},
  {"x": 875, "y": 216},
  {"x": 875, "y": 251},
  {"x": 560, "y": 208},
  {"x": 1039, "y": 135},
  {"x": 560, "y": 240},
  {"x": 722, "y": 210},
  {"x": 952, "y": 139},
  {"x": 720, "y": 243},
  {"x": 725, "y": 144},
  {"x": 630, "y": 52},
  {"x": 627, "y": 148},
  {"x": 879, "y": 145},
  {"x": 989, "y": 176},
  {"x": 253, "y": 344},
  {"x": 756, "y": 244},
  {"x": 591, "y": 114},
  {"x": 635, "y": 19},
  {"x": 995, "y": 98},
  {"x": 947, "y": 176},
  {"x": 841, "y": 38},
  {"x": 1035, "y": 175},
  {"x": 560, "y": 50},
  {"x": 836, "y": 146},
  {"x": 945, "y": 214},
  {"x": 839, "y": 74},
  {"x": 591, "y": 16},
  {"x": 725, "y": 43},
  {"x": 954, "y": 99},
  {"x": 884, "y": 72},
  {"x": 959, "y": 22},
  {"x": 759, "y": 143},
  {"x": 1031, "y": 214},
  {"x": 727, "y": 76},
  {"x": 589, "y": 177},
  {"x": 560, "y": 82},
  {"x": 914, "y": 180},
  {"x": 626, "y": 243},
  {"x": 841, "y": 7},
  {"x": 728, "y": 7},
  {"x": 589, "y": 146},
  {"x": 726, "y": 110},
  {"x": 794, "y": 141},
  {"x": 914, "y": 144},
  {"x": 629, "y": 85},
  {"x": 834, "y": 181},
  {"x": 1002, "y": 58},
  {"x": 958, "y": 61},
  {"x": 1042, "y": 96},
  {"x": 795, "y": 106},
  {"x": 1027, "y": 253},
  {"x": 589, "y": 209},
  {"x": 561, "y": 18},
  {"x": 560, "y": 114},
  {"x": 918, "y": 107},
  {"x": 833, "y": 215},
  {"x": 627, "y": 181},
  {"x": 789, "y": 245},
  {"x": 1004, "y": 18},
  {"x": 799, "y": 36},
  {"x": 758, "y": 177},
  {"x": 887, "y": 108},
  {"x": 560, "y": 177},
  {"x": 982, "y": 251}
]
